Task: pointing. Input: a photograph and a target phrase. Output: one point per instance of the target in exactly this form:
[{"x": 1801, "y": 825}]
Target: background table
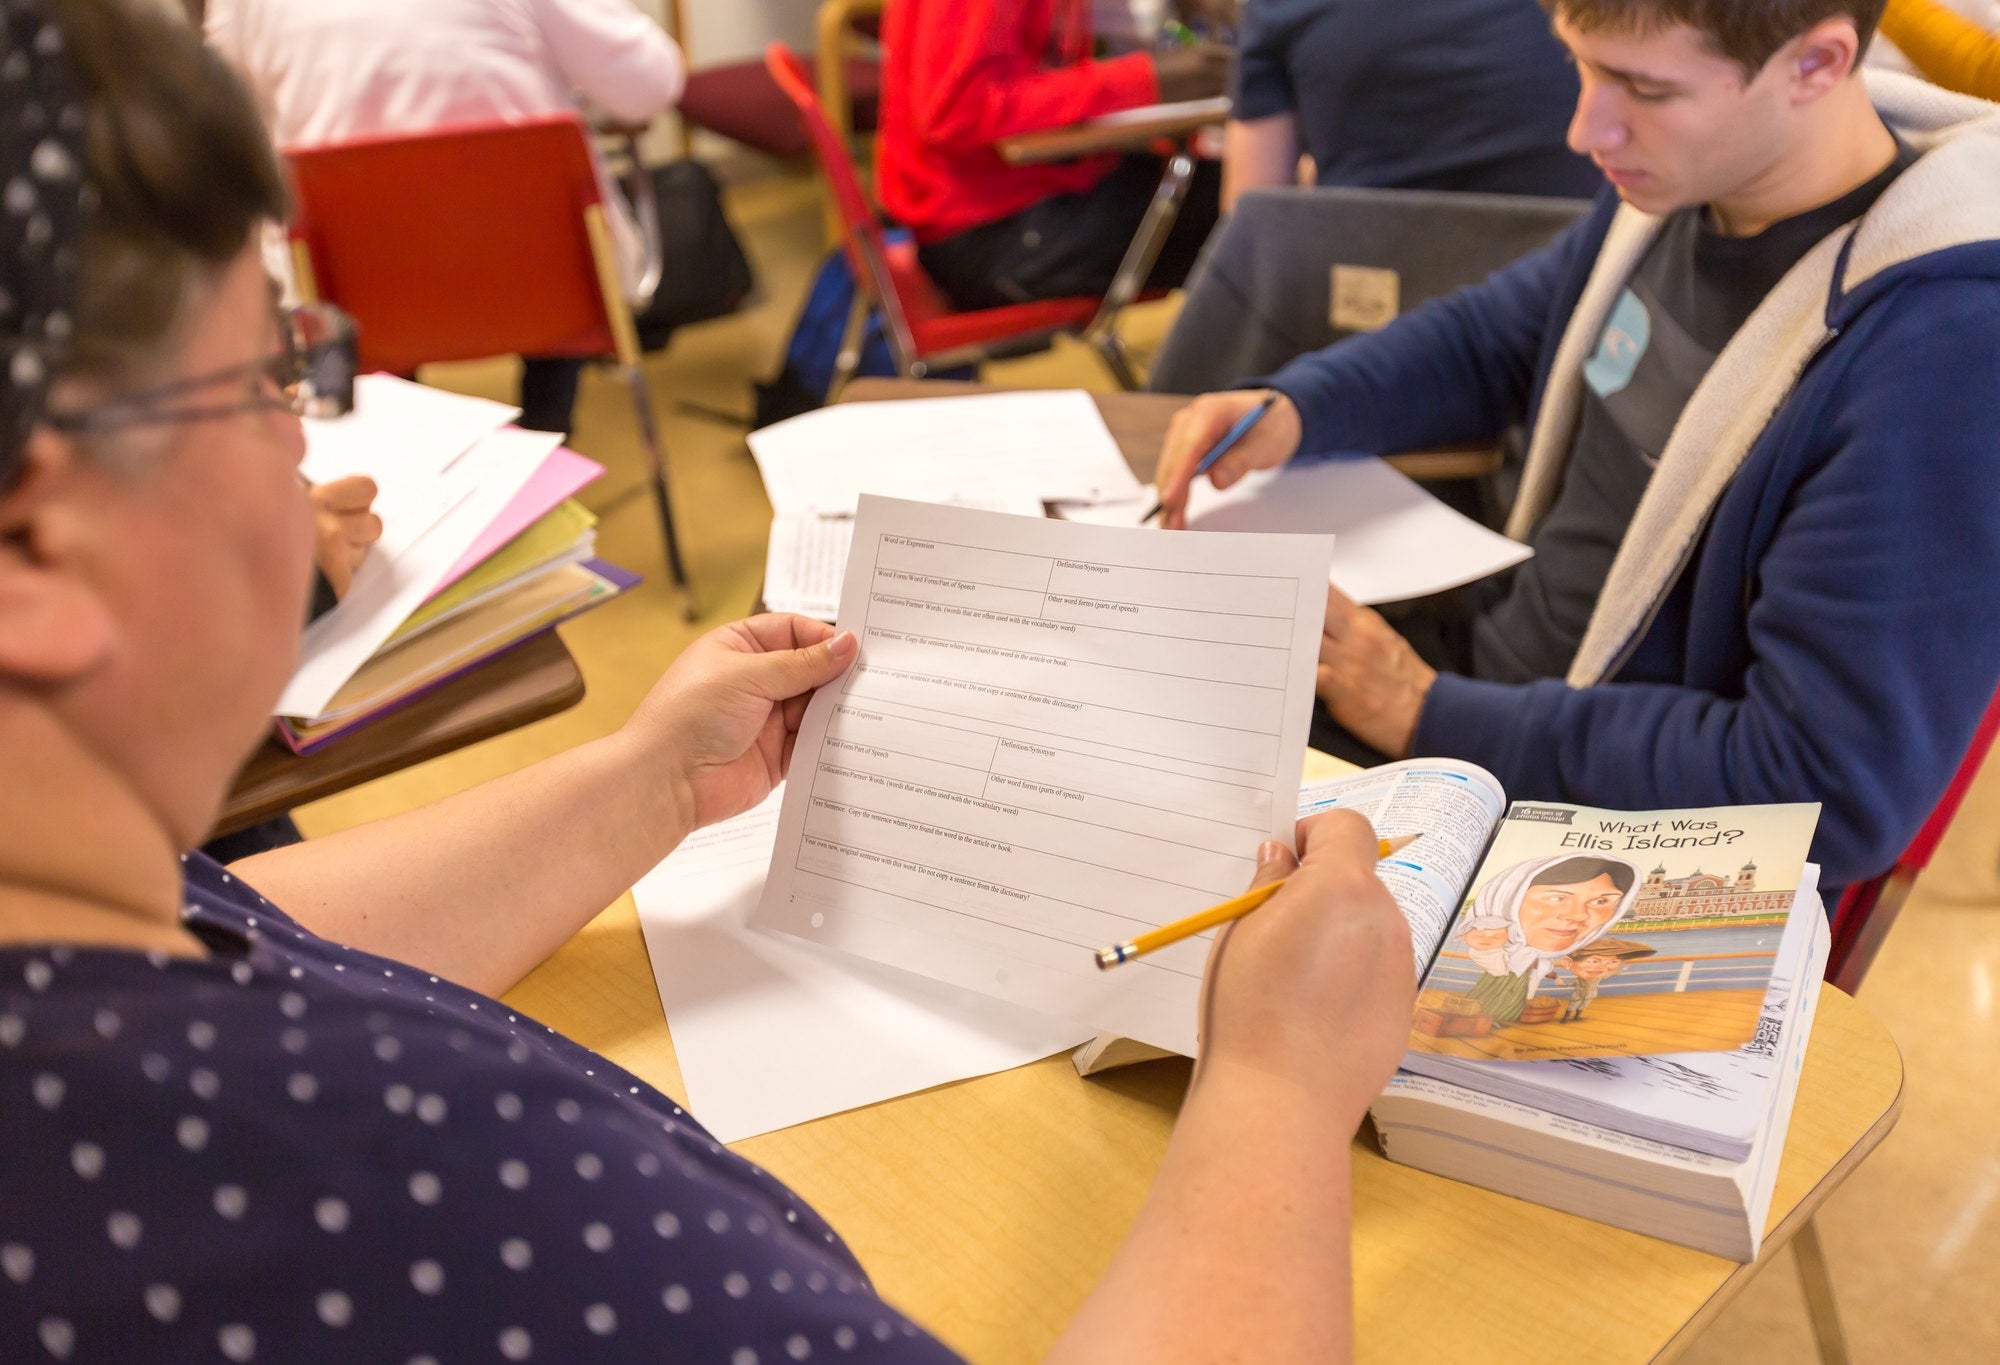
[
  {"x": 988, "y": 1209},
  {"x": 1126, "y": 129},
  {"x": 536, "y": 678},
  {"x": 1138, "y": 423}
]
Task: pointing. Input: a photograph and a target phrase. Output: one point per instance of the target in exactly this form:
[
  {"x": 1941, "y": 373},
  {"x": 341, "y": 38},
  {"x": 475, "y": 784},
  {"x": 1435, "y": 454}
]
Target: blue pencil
[{"x": 1229, "y": 440}]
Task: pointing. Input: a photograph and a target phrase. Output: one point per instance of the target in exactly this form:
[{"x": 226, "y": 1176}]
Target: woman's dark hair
[
  {"x": 182, "y": 170},
  {"x": 1571, "y": 871}
]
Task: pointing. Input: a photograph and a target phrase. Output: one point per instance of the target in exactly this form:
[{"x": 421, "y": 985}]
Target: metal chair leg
[
  {"x": 649, "y": 438},
  {"x": 851, "y": 341},
  {"x": 1820, "y": 1305},
  {"x": 1138, "y": 263},
  {"x": 1110, "y": 348}
]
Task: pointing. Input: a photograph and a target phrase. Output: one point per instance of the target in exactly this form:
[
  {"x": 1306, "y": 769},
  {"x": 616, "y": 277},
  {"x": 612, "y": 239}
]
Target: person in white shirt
[{"x": 331, "y": 70}]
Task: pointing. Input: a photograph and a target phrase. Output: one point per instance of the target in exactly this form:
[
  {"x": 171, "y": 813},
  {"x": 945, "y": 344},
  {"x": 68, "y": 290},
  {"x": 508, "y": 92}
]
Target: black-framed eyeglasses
[{"x": 312, "y": 375}]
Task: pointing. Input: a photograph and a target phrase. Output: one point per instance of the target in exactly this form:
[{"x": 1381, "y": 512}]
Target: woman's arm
[
  {"x": 482, "y": 886},
  {"x": 1947, "y": 47},
  {"x": 1259, "y": 152},
  {"x": 1242, "y": 1249}
]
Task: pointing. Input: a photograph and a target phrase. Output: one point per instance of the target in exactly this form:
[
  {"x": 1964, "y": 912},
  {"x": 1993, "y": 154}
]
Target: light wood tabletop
[
  {"x": 1128, "y": 128},
  {"x": 987, "y": 1209},
  {"x": 1138, "y": 423}
]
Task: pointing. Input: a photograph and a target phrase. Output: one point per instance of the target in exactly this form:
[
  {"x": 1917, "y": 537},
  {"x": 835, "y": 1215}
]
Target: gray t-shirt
[{"x": 1688, "y": 297}]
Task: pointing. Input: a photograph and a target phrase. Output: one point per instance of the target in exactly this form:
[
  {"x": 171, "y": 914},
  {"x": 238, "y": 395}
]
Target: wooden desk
[
  {"x": 538, "y": 678},
  {"x": 1127, "y": 128},
  {"x": 1138, "y": 423},
  {"x": 987, "y": 1209}
]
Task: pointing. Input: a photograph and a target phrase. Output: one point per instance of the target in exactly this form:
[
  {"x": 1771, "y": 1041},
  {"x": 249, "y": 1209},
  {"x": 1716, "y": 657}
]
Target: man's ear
[
  {"x": 1821, "y": 58},
  {"x": 54, "y": 624}
]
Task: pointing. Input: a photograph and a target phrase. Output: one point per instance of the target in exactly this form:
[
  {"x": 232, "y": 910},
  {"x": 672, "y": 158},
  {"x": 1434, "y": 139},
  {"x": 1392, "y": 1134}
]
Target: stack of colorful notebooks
[{"x": 482, "y": 548}]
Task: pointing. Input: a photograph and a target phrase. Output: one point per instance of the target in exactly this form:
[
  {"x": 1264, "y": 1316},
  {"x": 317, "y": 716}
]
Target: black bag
[{"x": 706, "y": 274}]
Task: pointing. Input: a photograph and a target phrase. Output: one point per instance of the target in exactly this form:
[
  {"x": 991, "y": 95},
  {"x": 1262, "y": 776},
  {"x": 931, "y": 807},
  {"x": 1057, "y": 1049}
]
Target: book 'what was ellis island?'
[{"x": 1600, "y": 933}]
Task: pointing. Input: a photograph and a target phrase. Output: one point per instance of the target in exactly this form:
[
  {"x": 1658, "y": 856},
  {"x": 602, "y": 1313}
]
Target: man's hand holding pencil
[{"x": 1262, "y": 440}]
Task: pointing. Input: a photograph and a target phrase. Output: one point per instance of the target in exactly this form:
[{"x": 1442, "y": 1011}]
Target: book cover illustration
[{"x": 1591, "y": 933}]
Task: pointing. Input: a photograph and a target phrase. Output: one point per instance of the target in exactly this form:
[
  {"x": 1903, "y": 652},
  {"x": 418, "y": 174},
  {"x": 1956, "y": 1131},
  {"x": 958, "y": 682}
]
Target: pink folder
[{"x": 560, "y": 476}]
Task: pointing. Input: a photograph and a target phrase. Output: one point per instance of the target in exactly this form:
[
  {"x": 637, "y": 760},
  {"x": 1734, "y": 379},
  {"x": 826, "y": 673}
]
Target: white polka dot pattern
[{"x": 318, "y": 1163}]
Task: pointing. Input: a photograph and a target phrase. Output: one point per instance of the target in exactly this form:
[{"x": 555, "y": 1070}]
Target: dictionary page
[
  {"x": 1450, "y": 806},
  {"x": 1056, "y": 736}
]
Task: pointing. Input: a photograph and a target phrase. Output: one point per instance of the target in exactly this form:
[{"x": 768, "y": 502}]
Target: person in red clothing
[{"x": 958, "y": 76}]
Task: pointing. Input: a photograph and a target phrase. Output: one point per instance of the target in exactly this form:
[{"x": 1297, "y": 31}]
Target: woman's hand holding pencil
[
  {"x": 1203, "y": 920},
  {"x": 1317, "y": 986}
]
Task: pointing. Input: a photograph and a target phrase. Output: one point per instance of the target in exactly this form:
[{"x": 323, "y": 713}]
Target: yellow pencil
[{"x": 1107, "y": 958}]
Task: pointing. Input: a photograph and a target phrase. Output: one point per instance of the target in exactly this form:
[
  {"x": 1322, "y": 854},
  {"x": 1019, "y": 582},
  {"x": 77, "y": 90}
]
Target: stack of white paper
[
  {"x": 446, "y": 467},
  {"x": 804, "y": 562},
  {"x": 1392, "y": 540},
  {"x": 807, "y": 556}
]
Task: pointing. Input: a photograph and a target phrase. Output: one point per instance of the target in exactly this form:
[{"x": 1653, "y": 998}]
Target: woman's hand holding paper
[{"x": 720, "y": 724}]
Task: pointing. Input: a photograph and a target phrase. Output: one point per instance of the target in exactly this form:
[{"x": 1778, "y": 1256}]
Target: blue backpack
[{"x": 814, "y": 349}]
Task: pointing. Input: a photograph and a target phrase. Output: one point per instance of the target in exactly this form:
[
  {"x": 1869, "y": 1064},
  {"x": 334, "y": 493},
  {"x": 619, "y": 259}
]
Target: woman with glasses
[{"x": 273, "y": 1111}]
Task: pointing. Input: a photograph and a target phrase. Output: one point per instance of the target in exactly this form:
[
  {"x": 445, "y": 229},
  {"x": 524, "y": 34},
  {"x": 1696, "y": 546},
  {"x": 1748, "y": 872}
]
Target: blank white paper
[
  {"x": 771, "y": 1032},
  {"x": 398, "y": 432},
  {"x": 1392, "y": 540},
  {"x": 983, "y": 448},
  {"x": 1055, "y": 736}
]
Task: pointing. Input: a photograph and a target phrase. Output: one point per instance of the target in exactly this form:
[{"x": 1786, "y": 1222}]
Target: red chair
[
  {"x": 471, "y": 242},
  {"x": 1866, "y": 913},
  {"x": 740, "y": 101},
  {"x": 924, "y": 332},
  {"x": 1868, "y": 910}
]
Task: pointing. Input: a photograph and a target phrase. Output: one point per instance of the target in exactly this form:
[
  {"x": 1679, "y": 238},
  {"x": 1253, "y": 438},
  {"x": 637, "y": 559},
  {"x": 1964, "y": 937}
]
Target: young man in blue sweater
[{"x": 1763, "y": 483}]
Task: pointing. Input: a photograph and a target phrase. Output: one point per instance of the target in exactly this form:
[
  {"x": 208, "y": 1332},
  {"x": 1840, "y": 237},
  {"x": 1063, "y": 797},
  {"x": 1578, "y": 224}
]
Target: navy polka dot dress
[{"x": 297, "y": 1152}]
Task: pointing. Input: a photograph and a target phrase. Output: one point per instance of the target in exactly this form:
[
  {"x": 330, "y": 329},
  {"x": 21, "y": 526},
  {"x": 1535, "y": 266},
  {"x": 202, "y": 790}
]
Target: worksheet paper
[
  {"x": 427, "y": 526},
  {"x": 1055, "y": 736},
  {"x": 1392, "y": 540},
  {"x": 771, "y": 1032},
  {"x": 982, "y": 448}
]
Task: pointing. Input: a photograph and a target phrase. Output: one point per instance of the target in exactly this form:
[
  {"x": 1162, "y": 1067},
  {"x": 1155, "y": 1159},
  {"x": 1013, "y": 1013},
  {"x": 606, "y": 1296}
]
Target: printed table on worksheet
[{"x": 1055, "y": 737}]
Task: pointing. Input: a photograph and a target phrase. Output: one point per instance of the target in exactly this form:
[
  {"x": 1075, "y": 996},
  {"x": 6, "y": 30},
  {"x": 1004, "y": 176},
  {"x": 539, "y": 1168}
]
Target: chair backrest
[
  {"x": 1868, "y": 909},
  {"x": 459, "y": 243},
  {"x": 861, "y": 232},
  {"x": 1292, "y": 270}
]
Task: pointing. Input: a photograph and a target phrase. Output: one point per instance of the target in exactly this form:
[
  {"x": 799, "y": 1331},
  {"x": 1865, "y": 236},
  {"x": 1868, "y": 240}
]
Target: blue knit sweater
[{"x": 1834, "y": 635}]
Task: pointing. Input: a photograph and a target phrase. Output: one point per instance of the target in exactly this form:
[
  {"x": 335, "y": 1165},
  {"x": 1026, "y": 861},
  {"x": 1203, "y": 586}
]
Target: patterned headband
[{"x": 43, "y": 204}]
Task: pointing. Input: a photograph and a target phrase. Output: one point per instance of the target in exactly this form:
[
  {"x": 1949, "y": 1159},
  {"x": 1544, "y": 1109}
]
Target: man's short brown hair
[{"x": 1747, "y": 32}]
